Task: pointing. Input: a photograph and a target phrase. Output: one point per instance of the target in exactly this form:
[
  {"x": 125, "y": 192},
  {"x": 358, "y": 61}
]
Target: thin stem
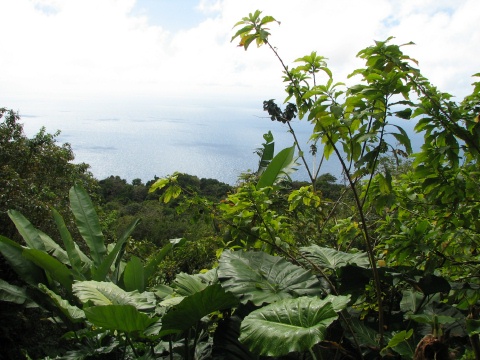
[
  {"x": 131, "y": 345},
  {"x": 375, "y": 161},
  {"x": 170, "y": 347},
  {"x": 312, "y": 354},
  {"x": 371, "y": 255},
  {"x": 312, "y": 179}
]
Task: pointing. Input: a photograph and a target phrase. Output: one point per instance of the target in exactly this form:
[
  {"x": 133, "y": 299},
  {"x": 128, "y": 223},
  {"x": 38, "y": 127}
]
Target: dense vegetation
[{"x": 384, "y": 265}]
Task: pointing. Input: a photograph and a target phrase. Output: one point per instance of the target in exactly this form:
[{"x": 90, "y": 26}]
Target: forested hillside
[{"x": 380, "y": 264}]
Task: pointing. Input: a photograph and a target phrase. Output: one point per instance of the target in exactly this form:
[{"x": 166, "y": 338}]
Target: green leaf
[
  {"x": 107, "y": 293},
  {"x": 186, "y": 284},
  {"x": 432, "y": 284},
  {"x": 100, "y": 274},
  {"x": 88, "y": 223},
  {"x": 262, "y": 278},
  {"x": 404, "y": 114},
  {"x": 160, "y": 184},
  {"x": 27, "y": 270},
  {"x": 276, "y": 167},
  {"x": 124, "y": 318},
  {"x": 290, "y": 325},
  {"x": 403, "y": 139},
  {"x": 334, "y": 259},
  {"x": 12, "y": 293},
  {"x": 156, "y": 259},
  {"x": 365, "y": 335},
  {"x": 28, "y": 232},
  {"x": 194, "y": 307},
  {"x": 73, "y": 313},
  {"x": 134, "y": 275},
  {"x": 267, "y": 152},
  {"x": 52, "y": 266},
  {"x": 267, "y": 19},
  {"x": 172, "y": 192},
  {"x": 225, "y": 342},
  {"x": 245, "y": 29},
  {"x": 397, "y": 340},
  {"x": 473, "y": 327},
  {"x": 73, "y": 255}
]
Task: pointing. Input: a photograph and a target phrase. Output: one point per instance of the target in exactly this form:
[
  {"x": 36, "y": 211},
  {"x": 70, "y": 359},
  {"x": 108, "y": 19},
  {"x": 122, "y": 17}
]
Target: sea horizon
[{"x": 207, "y": 142}]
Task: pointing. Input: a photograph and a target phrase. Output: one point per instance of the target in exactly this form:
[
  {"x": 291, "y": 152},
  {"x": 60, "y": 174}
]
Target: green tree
[{"x": 35, "y": 174}]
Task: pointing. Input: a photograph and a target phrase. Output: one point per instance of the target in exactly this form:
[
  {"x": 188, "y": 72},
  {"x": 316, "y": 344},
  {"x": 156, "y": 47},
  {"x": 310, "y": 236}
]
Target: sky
[{"x": 140, "y": 52}]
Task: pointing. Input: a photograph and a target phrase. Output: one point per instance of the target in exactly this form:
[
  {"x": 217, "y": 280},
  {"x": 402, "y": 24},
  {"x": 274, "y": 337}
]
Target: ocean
[{"x": 209, "y": 142}]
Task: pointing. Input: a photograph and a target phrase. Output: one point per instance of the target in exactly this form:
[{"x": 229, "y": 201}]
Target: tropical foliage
[{"x": 384, "y": 266}]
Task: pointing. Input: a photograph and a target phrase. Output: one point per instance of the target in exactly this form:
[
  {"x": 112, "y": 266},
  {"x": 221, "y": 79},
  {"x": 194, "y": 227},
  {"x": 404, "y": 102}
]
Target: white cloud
[{"x": 97, "y": 49}]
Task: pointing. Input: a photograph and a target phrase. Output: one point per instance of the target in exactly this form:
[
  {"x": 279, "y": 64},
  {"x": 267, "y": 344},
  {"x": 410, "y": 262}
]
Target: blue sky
[
  {"x": 170, "y": 14},
  {"x": 85, "y": 52}
]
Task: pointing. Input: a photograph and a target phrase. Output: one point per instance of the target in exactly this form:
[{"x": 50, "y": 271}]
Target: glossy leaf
[
  {"x": 124, "y": 318},
  {"x": 432, "y": 284},
  {"x": 73, "y": 313},
  {"x": 153, "y": 262},
  {"x": 334, "y": 259},
  {"x": 28, "y": 232},
  {"x": 107, "y": 293},
  {"x": 73, "y": 255},
  {"x": 27, "y": 270},
  {"x": 100, "y": 274},
  {"x": 55, "y": 269},
  {"x": 276, "y": 168},
  {"x": 267, "y": 152},
  {"x": 262, "y": 278},
  {"x": 134, "y": 275},
  {"x": 289, "y": 325},
  {"x": 186, "y": 284},
  {"x": 225, "y": 342},
  {"x": 88, "y": 223},
  {"x": 12, "y": 293},
  {"x": 194, "y": 307},
  {"x": 473, "y": 327}
]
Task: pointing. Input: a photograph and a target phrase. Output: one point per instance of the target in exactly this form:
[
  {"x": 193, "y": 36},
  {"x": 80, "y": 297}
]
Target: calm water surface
[{"x": 207, "y": 142}]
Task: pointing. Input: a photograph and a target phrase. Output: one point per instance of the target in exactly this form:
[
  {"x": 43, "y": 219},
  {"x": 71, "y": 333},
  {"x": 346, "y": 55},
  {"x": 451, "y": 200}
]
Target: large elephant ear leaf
[
  {"x": 334, "y": 259},
  {"x": 225, "y": 341},
  {"x": 194, "y": 307},
  {"x": 106, "y": 293},
  {"x": 303, "y": 321},
  {"x": 124, "y": 318},
  {"x": 262, "y": 278},
  {"x": 72, "y": 313}
]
